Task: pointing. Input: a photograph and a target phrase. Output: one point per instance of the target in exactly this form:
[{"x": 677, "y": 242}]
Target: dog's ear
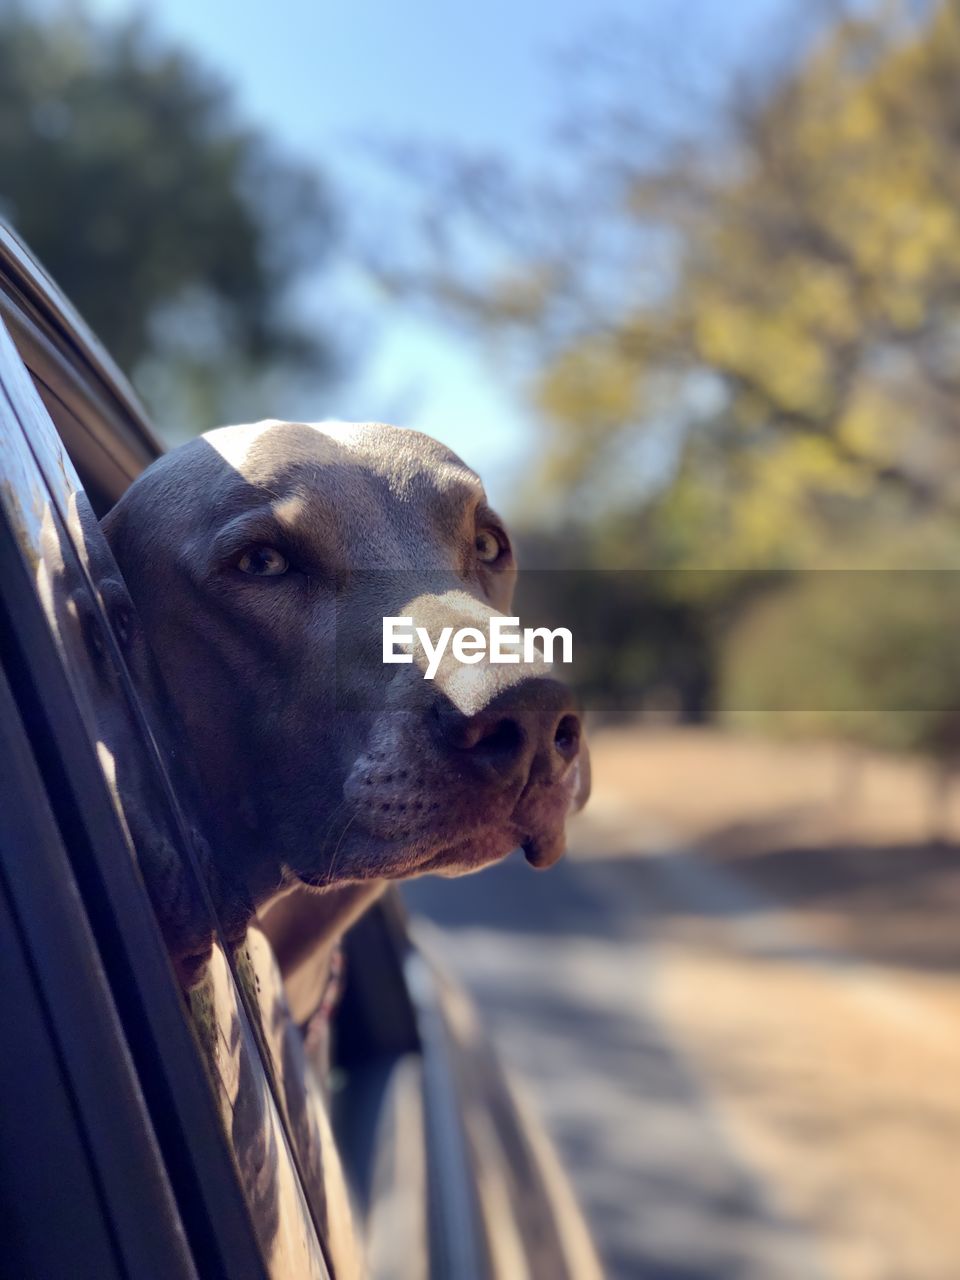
[
  {"x": 126, "y": 540},
  {"x": 114, "y": 525}
]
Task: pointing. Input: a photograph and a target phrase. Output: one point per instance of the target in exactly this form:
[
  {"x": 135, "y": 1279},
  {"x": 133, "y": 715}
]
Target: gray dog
[{"x": 262, "y": 560}]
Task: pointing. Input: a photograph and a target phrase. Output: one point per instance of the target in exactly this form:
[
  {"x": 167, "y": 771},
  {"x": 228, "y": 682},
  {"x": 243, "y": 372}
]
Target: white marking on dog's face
[
  {"x": 235, "y": 444},
  {"x": 259, "y": 453}
]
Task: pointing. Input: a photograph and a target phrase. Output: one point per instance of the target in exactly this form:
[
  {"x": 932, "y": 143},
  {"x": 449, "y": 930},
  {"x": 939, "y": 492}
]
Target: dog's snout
[{"x": 529, "y": 731}]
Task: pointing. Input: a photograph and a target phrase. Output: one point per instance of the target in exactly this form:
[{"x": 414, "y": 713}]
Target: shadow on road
[
  {"x": 895, "y": 905},
  {"x": 561, "y": 968}
]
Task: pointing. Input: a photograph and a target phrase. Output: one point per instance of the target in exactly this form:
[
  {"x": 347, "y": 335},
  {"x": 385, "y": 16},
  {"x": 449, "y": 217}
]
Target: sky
[{"x": 323, "y": 78}]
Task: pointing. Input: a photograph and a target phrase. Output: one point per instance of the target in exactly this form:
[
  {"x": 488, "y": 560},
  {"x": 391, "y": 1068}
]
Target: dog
[{"x": 262, "y": 560}]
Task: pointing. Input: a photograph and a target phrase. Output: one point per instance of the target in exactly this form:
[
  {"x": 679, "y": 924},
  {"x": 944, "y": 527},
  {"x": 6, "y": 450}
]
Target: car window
[{"x": 270, "y": 1109}]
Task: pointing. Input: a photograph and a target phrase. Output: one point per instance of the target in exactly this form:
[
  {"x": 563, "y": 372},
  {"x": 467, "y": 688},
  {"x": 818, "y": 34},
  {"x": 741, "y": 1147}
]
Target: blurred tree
[
  {"x": 747, "y": 335},
  {"x": 866, "y": 656},
  {"x": 742, "y": 329},
  {"x": 176, "y": 231}
]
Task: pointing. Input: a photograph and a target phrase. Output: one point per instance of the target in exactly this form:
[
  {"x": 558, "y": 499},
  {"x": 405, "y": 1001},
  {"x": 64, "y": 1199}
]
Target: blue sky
[{"x": 321, "y": 77}]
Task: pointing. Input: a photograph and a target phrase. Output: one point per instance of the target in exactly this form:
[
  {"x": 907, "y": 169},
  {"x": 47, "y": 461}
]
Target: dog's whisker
[
  {"x": 343, "y": 833},
  {"x": 333, "y": 821}
]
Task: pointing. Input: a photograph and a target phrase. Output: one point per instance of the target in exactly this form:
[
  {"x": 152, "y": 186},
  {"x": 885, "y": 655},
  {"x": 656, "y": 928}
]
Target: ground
[{"x": 737, "y": 1004}]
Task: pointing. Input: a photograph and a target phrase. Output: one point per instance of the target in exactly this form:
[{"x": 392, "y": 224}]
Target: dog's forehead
[{"x": 272, "y": 451}]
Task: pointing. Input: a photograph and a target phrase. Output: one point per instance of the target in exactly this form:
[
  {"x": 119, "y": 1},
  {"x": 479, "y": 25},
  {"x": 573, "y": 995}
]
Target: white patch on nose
[{"x": 469, "y": 689}]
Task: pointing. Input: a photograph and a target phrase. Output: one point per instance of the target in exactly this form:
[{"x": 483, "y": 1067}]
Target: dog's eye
[
  {"x": 263, "y": 562},
  {"x": 489, "y": 547}
]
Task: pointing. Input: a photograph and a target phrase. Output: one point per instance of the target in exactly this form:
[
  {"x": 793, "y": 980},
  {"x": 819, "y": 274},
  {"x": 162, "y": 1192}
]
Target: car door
[{"x": 72, "y": 647}]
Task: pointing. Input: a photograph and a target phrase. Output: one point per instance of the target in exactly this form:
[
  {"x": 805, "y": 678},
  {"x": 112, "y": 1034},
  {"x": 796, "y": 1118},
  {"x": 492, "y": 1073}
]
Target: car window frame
[
  {"x": 164, "y": 1053},
  {"x": 102, "y": 423}
]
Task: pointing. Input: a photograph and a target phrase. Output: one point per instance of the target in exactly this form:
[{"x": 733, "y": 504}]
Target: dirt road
[{"x": 738, "y": 1007}]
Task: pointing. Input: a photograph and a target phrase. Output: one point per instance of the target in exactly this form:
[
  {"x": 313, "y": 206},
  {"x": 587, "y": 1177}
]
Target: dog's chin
[
  {"x": 465, "y": 856},
  {"x": 368, "y": 856}
]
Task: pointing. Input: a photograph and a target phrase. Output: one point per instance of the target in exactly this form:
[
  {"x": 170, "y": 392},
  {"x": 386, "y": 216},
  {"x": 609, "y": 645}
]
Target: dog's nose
[{"x": 530, "y": 732}]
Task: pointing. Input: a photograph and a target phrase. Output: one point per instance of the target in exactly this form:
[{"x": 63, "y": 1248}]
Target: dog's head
[{"x": 263, "y": 560}]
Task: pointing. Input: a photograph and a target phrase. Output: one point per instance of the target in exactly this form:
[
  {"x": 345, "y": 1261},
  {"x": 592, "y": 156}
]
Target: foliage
[
  {"x": 743, "y": 337},
  {"x": 175, "y": 229},
  {"x": 769, "y": 305},
  {"x": 866, "y": 655}
]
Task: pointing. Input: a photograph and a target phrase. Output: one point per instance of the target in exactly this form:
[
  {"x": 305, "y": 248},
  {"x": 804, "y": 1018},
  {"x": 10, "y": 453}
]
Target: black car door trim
[
  {"x": 178, "y": 1094},
  {"x": 45, "y": 916}
]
